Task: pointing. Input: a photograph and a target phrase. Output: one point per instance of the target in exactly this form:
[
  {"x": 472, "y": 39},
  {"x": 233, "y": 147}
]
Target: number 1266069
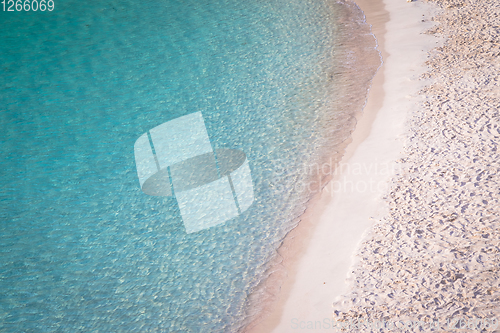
[{"x": 27, "y": 5}]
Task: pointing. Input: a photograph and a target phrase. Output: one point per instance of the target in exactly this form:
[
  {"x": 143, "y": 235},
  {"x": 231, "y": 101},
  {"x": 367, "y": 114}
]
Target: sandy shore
[
  {"x": 318, "y": 254},
  {"x": 416, "y": 196},
  {"x": 432, "y": 262}
]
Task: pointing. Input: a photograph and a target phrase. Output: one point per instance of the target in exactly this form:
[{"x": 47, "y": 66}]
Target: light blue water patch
[{"x": 82, "y": 247}]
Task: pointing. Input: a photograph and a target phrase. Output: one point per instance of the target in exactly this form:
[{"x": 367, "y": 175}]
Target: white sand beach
[
  {"x": 407, "y": 230},
  {"x": 432, "y": 262}
]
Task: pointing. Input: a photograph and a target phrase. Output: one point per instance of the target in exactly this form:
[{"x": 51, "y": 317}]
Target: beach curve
[{"x": 318, "y": 253}]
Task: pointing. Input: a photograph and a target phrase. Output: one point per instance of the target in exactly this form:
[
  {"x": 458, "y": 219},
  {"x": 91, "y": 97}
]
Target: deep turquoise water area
[{"x": 82, "y": 247}]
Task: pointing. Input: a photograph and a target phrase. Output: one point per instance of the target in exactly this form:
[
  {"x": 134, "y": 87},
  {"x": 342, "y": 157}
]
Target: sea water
[{"x": 82, "y": 248}]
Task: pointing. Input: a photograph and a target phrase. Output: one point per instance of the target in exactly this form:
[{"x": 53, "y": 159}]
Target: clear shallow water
[{"x": 82, "y": 248}]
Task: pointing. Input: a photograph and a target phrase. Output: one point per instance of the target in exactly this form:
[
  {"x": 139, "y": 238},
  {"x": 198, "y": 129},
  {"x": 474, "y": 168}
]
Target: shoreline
[
  {"x": 317, "y": 254},
  {"x": 432, "y": 261}
]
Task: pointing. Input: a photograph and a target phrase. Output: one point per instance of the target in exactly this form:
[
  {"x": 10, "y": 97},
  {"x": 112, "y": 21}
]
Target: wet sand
[
  {"x": 431, "y": 263},
  {"x": 318, "y": 254},
  {"x": 411, "y": 217}
]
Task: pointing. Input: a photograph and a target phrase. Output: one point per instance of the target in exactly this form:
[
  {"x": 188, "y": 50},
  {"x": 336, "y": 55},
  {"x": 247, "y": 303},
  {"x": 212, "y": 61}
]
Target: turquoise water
[{"x": 82, "y": 247}]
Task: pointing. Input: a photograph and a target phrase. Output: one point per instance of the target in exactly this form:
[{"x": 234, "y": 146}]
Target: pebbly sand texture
[{"x": 435, "y": 256}]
